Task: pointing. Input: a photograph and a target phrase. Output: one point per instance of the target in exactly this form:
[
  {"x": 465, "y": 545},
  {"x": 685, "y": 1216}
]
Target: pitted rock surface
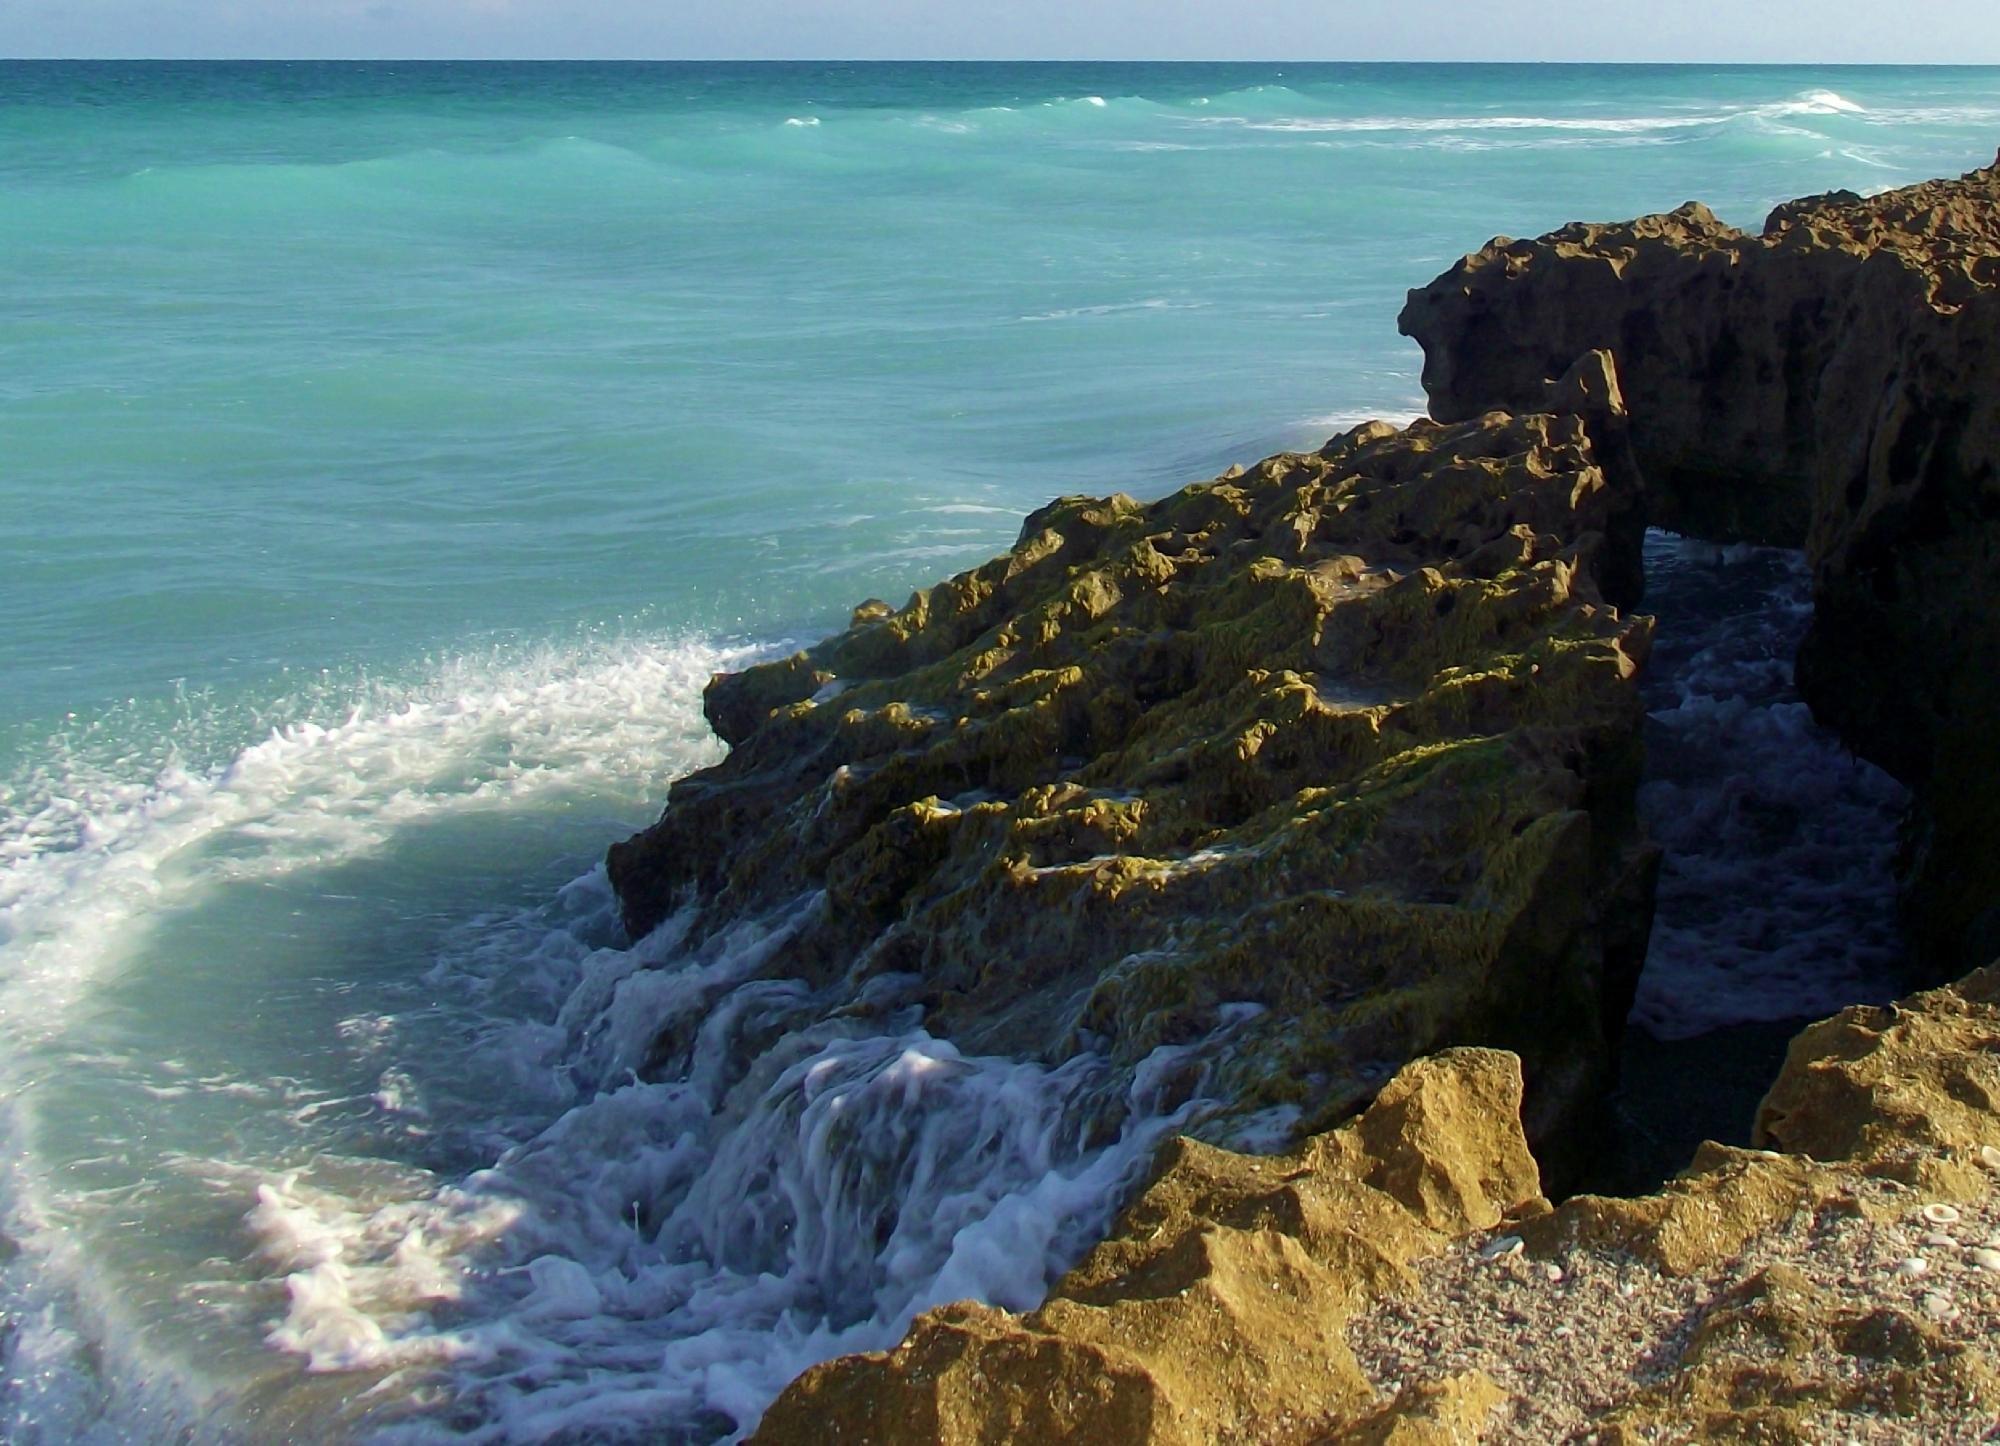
[
  {"x": 1832, "y": 383},
  {"x": 1352, "y": 736}
]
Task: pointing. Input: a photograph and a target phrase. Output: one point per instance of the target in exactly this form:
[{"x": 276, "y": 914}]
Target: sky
[{"x": 1816, "y": 31}]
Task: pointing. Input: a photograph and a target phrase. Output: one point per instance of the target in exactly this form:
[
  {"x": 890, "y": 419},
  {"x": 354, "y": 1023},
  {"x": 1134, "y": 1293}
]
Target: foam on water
[
  {"x": 658, "y": 1243},
  {"x": 330, "y": 1082},
  {"x": 668, "y": 1255},
  {"x": 97, "y": 852},
  {"x": 1777, "y": 895}
]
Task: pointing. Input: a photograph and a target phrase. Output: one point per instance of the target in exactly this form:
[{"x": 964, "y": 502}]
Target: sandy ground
[{"x": 1571, "y": 1338}]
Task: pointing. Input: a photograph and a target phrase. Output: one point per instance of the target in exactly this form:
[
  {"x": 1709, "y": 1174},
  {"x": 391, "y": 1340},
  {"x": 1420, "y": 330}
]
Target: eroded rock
[
  {"x": 1910, "y": 1091},
  {"x": 1351, "y": 737},
  {"x": 1833, "y": 383},
  {"x": 1216, "y": 1309}
]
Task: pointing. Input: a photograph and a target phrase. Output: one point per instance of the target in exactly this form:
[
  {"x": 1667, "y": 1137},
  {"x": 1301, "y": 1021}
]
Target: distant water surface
[{"x": 387, "y": 454}]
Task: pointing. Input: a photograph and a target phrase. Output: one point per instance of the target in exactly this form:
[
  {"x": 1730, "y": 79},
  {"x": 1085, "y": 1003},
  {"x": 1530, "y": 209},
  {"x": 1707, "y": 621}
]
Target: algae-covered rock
[
  {"x": 1340, "y": 749},
  {"x": 1832, "y": 383},
  {"x": 1215, "y": 1312}
]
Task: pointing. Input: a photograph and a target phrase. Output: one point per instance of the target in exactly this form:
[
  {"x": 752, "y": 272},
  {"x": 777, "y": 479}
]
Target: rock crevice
[{"x": 1832, "y": 382}]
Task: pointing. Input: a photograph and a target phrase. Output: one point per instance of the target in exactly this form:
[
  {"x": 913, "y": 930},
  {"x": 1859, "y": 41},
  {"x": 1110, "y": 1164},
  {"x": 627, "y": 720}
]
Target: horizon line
[{"x": 964, "y": 60}]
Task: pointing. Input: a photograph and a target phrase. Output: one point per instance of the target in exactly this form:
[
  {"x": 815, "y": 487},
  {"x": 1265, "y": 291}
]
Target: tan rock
[
  {"x": 1911, "y": 1091},
  {"x": 1705, "y": 1215},
  {"x": 1215, "y": 1311},
  {"x": 1453, "y": 1411},
  {"x": 1773, "y": 1359}
]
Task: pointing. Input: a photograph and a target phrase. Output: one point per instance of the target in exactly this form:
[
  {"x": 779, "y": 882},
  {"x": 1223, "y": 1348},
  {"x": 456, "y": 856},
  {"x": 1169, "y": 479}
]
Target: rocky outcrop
[
  {"x": 1832, "y": 382},
  {"x": 1401, "y": 1279},
  {"x": 1339, "y": 751},
  {"x": 1909, "y": 1092},
  {"x": 1215, "y": 1312}
]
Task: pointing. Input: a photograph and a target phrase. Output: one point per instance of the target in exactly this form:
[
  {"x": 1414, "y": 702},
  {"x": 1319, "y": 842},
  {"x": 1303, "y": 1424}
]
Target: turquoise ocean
[{"x": 389, "y": 452}]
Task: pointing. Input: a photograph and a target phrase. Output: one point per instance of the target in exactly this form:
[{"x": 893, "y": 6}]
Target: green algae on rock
[
  {"x": 1351, "y": 736},
  {"x": 1832, "y": 383}
]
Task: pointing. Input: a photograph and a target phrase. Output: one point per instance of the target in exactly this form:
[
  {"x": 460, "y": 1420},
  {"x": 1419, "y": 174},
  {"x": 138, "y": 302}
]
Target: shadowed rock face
[
  {"x": 1834, "y": 383},
  {"x": 1352, "y": 736}
]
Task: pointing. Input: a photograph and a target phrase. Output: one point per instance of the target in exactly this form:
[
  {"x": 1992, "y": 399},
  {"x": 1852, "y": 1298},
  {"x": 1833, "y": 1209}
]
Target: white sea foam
[
  {"x": 676, "y": 1252},
  {"x": 643, "y": 1253},
  {"x": 1807, "y": 104},
  {"x": 101, "y": 843},
  {"x": 476, "y": 734},
  {"x": 1398, "y": 415},
  {"x": 1817, "y": 102},
  {"x": 1777, "y": 896},
  {"x": 1115, "y": 308}
]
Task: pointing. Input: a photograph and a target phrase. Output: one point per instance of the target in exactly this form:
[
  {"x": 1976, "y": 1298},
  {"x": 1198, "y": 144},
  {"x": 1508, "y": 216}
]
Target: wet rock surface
[
  {"x": 1401, "y": 1279},
  {"x": 1834, "y": 382},
  {"x": 1335, "y": 761},
  {"x": 1342, "y": 748}
]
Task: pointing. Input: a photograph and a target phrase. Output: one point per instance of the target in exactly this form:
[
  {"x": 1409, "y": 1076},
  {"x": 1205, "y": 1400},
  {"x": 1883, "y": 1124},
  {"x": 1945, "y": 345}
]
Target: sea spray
[
  {"x": 339, "y": 367},
  {"x": 672, "y": 1252},
  {"x": 806, "y": 1174},
  {"x": 110, "y": 847}
]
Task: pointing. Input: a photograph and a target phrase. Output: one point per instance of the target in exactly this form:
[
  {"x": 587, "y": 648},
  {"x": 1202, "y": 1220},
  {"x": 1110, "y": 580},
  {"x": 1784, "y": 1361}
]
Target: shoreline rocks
[
  {"x": 1402, "y": 1279},
  {"x": 1340, "y": 751},
  {"x": 1328, "y": 766},
  {"x": 1831, "y": 383}
]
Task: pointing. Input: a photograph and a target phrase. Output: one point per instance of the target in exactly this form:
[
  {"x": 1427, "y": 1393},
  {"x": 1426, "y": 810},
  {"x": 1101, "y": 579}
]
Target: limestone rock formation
[
  {"x": 1872, "y": 1099},
  {"x": 1751, "y": 1299},
  {"x": 1910, "y": 1092},
  {"x": 1833, "y": 382},
  {"x": 1215, "y": 1311},
  {"x": 1351, "y": 737}
]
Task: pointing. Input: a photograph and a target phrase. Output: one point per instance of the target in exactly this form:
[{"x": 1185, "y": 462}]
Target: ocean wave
[
  {"x": 109, "y": 836},
  {"x": 1113, "y": 308},
  {"x": 1815, "y": 102},
  {"x": 672, "y": 1254},
  {"x": 1347, "y": 420},
  {"x": 1807, "y": 103},
  {"x": 665, "y": 1251},
  {"x": 1420, "y": 125}
]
